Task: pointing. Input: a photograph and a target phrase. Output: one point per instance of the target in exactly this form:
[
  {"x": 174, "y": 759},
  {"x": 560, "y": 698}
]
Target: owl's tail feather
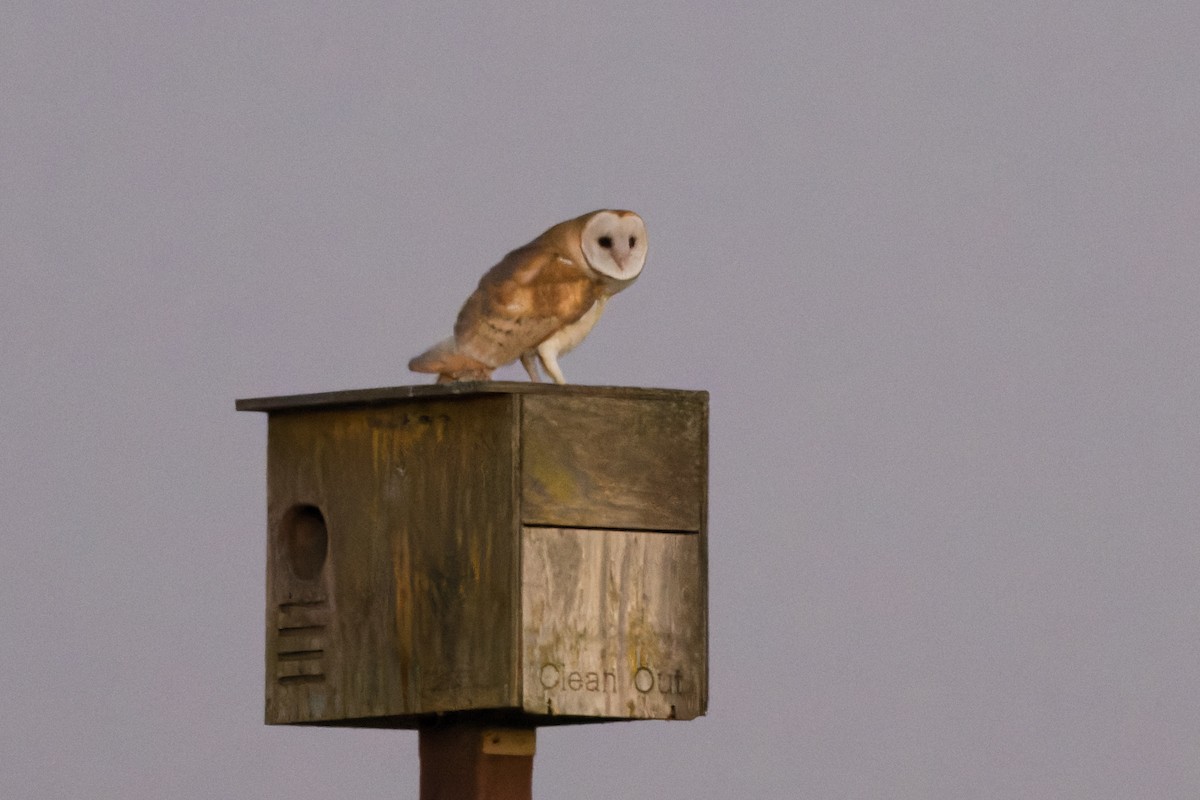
[{"x": 444, "y": 360}]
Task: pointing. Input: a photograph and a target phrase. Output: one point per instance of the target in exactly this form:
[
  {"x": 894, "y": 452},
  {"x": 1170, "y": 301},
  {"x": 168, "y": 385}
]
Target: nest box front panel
[
  {"x": 391, "y": 563},
  {"x": 613, "y": 553},
  {"x": 614, "y": 462},
  {"x": 614, "y": 624}
]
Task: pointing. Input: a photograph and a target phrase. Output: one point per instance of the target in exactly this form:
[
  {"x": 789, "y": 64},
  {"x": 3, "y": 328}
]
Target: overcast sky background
[{"x": 936, "y": 262}]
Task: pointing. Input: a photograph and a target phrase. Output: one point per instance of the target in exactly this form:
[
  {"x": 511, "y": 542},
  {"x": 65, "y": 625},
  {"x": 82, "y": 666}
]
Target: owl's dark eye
[
  {"x": 605, "y": 242},
  {"x": 632, "y": 242}
]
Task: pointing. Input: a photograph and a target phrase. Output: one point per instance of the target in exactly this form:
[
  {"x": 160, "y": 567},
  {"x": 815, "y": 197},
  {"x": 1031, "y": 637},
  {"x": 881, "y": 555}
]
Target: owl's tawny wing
[{"x": 532, "y": 293}]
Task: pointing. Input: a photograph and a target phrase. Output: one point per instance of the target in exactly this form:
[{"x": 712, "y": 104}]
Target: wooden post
[{"x": 470, "y": 761}]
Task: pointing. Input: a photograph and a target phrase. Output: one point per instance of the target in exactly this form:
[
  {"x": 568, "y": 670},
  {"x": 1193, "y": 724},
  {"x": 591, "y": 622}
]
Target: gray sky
[{"x": 937, "y": 263}]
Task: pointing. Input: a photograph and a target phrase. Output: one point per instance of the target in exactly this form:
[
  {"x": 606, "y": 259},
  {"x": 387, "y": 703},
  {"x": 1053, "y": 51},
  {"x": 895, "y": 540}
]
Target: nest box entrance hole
[{"x": 304, "y": 541}]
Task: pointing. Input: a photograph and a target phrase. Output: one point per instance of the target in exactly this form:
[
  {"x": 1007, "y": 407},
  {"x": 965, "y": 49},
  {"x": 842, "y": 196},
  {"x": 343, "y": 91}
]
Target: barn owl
[{"x": 542, "y": 299}]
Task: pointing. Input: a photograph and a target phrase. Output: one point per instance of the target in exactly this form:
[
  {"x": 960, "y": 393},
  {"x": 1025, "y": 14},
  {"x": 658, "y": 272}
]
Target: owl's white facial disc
[{"x": 615, "y": 244}]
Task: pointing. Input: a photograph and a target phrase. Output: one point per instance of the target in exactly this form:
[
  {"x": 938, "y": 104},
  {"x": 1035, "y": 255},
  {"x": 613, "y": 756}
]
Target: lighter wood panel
[{"x": 614, "y": 624}]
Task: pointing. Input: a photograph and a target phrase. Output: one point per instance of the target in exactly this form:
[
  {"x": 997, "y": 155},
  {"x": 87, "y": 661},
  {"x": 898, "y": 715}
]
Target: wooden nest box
[{"x": 521, "y": 552}]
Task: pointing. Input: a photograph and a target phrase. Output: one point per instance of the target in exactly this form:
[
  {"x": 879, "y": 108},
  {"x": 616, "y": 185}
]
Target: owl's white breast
[{"x": 568, "y": 337}]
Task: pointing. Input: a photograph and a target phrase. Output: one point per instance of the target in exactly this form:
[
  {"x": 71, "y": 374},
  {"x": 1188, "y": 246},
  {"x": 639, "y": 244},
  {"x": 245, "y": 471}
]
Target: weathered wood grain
[
  {"x": 613, "y": 462},
  {"x": 419, "y": 581},
  {"x": 614, "y": 624}
]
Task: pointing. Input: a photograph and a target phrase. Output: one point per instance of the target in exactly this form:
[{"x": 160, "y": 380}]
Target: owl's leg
[
  {"x": 529, "y": 362},
  {"x": 548, "y": 354}
]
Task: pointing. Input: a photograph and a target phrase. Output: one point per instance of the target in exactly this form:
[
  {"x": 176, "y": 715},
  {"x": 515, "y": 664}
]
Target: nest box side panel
[
  {"x": 614, "y": 462},
  {"x": 413, "y": 609},
  {"x": 615, "y": 624}
]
